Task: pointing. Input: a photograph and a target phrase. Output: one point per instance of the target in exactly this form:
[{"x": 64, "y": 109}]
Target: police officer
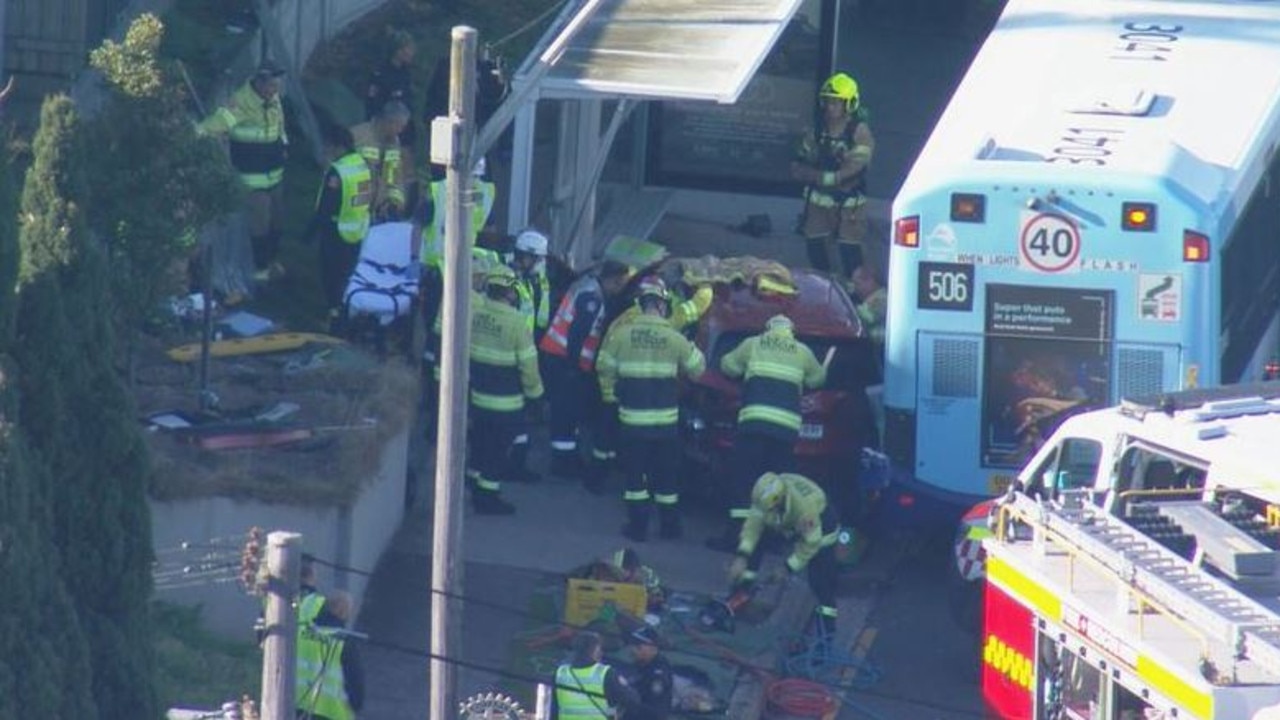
[
  {"x": 640, "y": 369},
  {"x": 652, "y": 677},
  {"x": 776, "y": 369},
  {"x": 504, "y": 373},
  {"x": 796, "y": 508},
  {"x": 831, "y": 160},
  {"x": 570, "y": 345},
  {"x": 529, "y": 261},
  {"x": 588, "y": 689},
  {"x": 330, "y": 676},
  {"x": 341, "y": 219}
]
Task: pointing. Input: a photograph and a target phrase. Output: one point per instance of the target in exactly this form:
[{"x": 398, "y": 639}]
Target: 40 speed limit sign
[{"x": 1049, "y": 243}]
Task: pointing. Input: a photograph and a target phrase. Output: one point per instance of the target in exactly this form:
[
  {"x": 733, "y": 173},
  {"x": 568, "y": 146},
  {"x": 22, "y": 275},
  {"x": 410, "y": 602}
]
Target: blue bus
[{"x": 1093, "y": 217}]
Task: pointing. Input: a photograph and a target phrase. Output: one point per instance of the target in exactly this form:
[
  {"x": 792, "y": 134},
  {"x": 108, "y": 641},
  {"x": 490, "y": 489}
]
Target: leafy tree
[
  {"x": 154, "y": 181},
  {"x": 79, "y": 420},
  {"x": 44, "y": 667}
]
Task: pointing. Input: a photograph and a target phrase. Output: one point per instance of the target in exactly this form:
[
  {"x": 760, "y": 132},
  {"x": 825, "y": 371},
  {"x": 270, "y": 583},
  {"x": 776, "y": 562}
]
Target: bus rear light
[
  {"x": 968, "y": 207},
  {"x": 1195, "y": 246},
  {"x": 906, "y": 231},
  {"x": 1138, "y": 216}
]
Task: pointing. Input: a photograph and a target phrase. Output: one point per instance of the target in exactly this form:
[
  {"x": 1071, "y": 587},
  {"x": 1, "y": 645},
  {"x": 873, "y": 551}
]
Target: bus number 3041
[{"x": 945, "y": 286}]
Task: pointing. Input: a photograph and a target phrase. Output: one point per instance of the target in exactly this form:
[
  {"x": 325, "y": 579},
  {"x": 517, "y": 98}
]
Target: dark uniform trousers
[
  {"x": 651, "y": 461},
  {"x": 574, "y": 395},
  {"x": 756, "y": 452},
  {"x": 491, "y": 436}
]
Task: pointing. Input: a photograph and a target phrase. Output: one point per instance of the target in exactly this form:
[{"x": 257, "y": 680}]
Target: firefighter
[
  {"x": 431, "y": 255},
  {"x": 795, "y": 507},
  {"x": 378, "y": 140},
  {"x": 570, "y": 345},
  {"x": 640, "y": 370},
  {"x": 529, "y": 261},
  {"x": 341, "y": 218},
  {"x": 504, "y": 373},
  {"x": 832, "y": 160},
  {"x": 329, "y": 683},
  {"x": 253, "y": 120},
  {"x": 776, "y": 369}
]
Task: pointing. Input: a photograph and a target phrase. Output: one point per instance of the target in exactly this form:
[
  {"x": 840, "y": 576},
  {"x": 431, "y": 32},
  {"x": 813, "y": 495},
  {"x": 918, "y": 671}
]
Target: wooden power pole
[
  {"x": 279, "y": 650},
  {"x": 451, "y": 143}
]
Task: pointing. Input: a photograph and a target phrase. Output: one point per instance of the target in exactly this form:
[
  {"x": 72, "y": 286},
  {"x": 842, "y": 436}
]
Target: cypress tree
[
  {"x": 80, "y": 423},
  {"x": 44, "y": 667}
]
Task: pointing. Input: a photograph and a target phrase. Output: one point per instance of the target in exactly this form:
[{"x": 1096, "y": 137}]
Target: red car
[{"x": 837, "y": 421}]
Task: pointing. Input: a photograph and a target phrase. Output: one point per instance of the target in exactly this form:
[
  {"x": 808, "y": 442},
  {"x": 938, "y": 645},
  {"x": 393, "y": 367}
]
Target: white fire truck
[{"x": 1134, "y": 573}]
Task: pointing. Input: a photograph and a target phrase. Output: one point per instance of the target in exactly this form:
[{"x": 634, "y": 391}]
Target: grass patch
[{"x": 196, "y": 669}]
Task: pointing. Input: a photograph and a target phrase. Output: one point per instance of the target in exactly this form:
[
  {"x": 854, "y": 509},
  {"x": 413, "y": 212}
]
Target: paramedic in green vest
[
  {"x": 330, "y": 677},
  {"x": 588, "y": 689},
  {"x": 794, "y": 507},
  {"x": 776, "y": 369},
  {"x": 253, "y": 121},
  {"x": 431, "y": 255},
  {"x": 378, "y": 140},
  {"x": 529, "y": 261},
  {"x": 504, "y": 376},
  {"x": 341, "y": 219},
  {"x": 639, "y": 371},
  {"x": 832, "y": 160}
]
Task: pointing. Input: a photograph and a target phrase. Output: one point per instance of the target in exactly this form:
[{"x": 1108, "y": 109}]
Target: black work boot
[
  {"x": 491, "y": 503},
  {"x": 637, "y": 527},
  {"x": 670, "y": 528}
]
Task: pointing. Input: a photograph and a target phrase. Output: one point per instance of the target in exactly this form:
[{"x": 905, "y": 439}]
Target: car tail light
[
  {"x": 906, "y": 231},
  {"x": 1195, "y": 246}
]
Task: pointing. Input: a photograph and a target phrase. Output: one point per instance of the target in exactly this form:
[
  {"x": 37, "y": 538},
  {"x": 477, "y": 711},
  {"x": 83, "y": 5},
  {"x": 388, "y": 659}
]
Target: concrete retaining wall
[{"x": 352, "y": 536}]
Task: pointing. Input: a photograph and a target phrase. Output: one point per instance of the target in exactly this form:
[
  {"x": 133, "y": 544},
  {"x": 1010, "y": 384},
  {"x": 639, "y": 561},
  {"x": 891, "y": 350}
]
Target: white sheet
[{"x": 385, "y": 282}]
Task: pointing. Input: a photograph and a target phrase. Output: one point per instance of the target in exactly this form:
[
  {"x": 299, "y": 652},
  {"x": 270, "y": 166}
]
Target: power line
[{"x": 727, "y": 654}]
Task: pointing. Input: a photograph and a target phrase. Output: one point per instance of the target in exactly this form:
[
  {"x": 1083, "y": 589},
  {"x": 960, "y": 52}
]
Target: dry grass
[{"x": 354, "y": 404}]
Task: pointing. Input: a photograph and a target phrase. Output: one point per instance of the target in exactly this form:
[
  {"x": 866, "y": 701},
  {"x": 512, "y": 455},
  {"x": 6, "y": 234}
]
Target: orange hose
[{"x": 800, "y": 698}]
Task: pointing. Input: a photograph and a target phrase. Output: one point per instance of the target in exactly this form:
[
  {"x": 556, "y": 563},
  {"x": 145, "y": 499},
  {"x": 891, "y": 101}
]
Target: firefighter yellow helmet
[
  {"x": 843, "y": 87},
  {"x": 500, "y": 276},
  {"x": 769, "y": 492}
]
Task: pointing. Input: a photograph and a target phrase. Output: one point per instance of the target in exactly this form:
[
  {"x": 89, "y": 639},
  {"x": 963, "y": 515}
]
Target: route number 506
[{"x": 945, "y": 286}]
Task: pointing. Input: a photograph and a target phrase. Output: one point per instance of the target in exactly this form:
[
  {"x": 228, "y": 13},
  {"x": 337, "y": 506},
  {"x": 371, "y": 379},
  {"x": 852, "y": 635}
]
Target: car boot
[
  {"x": 491, "y": 503},
  {"x": 637, "y": 527},
  {"x": 670, "y": 528}
]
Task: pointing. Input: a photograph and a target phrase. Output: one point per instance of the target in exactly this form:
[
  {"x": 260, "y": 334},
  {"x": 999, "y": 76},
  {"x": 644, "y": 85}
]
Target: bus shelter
[{"x": 688, "y": 75}]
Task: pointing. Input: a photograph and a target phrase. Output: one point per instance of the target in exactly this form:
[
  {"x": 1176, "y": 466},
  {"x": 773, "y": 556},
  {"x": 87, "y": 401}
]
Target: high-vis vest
[
  {"x": 320, "y": 688},
  {"x": 556, "y": 341},
  {"x": 504, "y": 363},
  {"x": 352, "y": 219},
  {"x": 433, "y": 232},
  {"x": 383, "y": 158},
  {"x": 776, "y": 368},
  {"x": 256, "y": 130},
  {"x": 640, "y": 367},
  {"x": 580, "y": 692},
  {"x": 535, "y": 293}
]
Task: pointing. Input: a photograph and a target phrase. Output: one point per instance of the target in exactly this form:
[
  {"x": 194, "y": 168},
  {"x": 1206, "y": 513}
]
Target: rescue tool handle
[{"x": 826, "y": 361}]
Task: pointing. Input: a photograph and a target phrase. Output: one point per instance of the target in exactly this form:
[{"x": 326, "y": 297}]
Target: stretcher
[{"x": 384, "y": 283}]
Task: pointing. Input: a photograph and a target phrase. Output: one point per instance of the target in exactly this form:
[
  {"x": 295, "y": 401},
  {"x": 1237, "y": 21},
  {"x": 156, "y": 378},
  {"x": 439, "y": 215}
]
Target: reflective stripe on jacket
[
  {"x": 352, "y": 219},
  {"x": 556, "y": 341},
  {"x": 776, "y": 368},
  {"x": 383, "y": 158},
  {"x": 320, "y": 686},
  {"x": 504, "y": 363},
  {"x": 640, "y": 368},
  {"x": 580, "y": 692},
  {"x": 256, "y": 130},
  {"x": 433, "y": 232},
  {"x": 535, "y": 294}
]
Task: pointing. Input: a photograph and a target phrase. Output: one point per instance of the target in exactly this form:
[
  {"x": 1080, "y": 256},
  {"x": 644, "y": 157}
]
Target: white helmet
[{"x": 532, "y": 242}]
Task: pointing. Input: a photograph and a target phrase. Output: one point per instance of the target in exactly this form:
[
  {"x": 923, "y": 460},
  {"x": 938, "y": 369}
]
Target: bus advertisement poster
[{"x": 1047, "y": 355}]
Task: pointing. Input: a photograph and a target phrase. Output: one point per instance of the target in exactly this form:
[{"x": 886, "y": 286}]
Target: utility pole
[
  {"x": 451, "y": 143},
  {"x": 279, "y": 668}
]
